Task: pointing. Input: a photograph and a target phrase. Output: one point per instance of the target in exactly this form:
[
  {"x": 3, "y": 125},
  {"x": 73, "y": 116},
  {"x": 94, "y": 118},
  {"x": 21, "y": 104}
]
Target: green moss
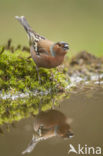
[
  {"x": 15, "y": 110},
  {"x": 18, "y": 73}
]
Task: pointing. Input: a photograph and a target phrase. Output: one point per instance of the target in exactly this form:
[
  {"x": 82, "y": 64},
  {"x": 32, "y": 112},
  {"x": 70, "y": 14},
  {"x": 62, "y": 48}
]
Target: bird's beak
[
  {"x": 66, "y": 46},
  {"x": 69, "y": 135}
]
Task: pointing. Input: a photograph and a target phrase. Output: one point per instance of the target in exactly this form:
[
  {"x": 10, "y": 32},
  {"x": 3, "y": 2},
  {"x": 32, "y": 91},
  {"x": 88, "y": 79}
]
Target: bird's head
[
  {"x": 63, "y": 45},
  {"x": 59, "y": 48},
  {"x": 65, "y": 131}
]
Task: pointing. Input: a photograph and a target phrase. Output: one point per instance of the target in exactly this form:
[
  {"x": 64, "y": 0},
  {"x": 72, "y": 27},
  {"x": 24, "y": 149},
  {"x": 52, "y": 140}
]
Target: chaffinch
[
  {"x": 49, "y": 124},
  {"x": 44, "y": 52}
]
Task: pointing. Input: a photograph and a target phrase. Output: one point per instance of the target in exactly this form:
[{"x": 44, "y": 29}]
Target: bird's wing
[{"x": 43, "y": 51}]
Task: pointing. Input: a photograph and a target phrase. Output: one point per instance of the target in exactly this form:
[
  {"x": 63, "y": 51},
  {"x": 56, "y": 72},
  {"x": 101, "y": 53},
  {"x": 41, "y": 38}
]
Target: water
[{"x": 84, "y": 107}]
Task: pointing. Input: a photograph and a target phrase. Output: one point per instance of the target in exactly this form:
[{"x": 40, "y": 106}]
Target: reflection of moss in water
[
  {"x": 15, "y": 110},
  {"x": 18, "y": 73}
]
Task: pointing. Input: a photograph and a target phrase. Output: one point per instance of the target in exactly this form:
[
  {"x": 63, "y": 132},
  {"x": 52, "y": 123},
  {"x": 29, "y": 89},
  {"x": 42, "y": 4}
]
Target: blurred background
[{"x": 78, "y": 22}]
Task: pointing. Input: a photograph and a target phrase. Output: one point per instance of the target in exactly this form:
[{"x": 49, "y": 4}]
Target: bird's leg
[
  {"x": 53, "y": 104},
  {"x": 40, "y": 107},
  {"x": 37, "y": 69},
  {"x": 52, "y": 88},
  {"x": 52, "y": 79}
]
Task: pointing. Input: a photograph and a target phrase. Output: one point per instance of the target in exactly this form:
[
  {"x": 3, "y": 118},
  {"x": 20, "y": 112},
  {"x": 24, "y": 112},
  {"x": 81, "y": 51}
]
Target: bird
[
  {"x": 49, "y": 124},
  {"x": 44, "y": 52}
]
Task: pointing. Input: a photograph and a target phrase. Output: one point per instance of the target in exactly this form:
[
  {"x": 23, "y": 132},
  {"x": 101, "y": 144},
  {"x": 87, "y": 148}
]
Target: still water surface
[{"x": 84, "y": 107}]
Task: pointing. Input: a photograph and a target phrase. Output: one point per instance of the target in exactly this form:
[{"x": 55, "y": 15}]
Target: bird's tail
[
  {"x": 33, "y": 36},
  {"x": 31, "y": 146}
]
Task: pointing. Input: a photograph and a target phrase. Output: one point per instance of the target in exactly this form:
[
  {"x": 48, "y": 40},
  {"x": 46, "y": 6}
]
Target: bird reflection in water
[{"x": 49, "y": 124}]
